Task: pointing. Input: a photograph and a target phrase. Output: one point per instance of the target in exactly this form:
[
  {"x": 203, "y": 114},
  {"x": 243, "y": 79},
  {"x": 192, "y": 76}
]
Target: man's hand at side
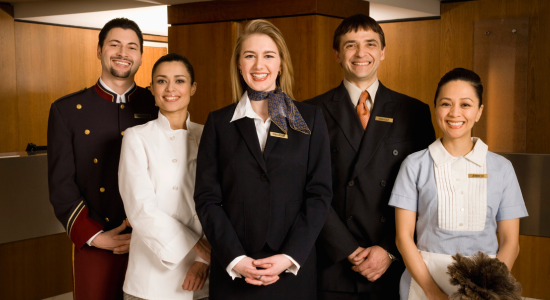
[
  {"x": 375, "y": 262},
  {"x": 112, "y": 240}
]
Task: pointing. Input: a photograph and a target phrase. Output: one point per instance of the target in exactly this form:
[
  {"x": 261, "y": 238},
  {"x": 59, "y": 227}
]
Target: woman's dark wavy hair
[
  {"x": 170, "y": 57},
  {"x": 462, "y": 74}
]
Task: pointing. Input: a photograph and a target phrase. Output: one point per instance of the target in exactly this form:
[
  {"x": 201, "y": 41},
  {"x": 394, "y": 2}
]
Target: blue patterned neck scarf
[{"x": 280, "y": 106}]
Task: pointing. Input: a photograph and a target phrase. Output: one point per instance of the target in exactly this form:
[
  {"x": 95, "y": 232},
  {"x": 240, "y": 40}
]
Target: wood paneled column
[{"x": 205, "y": 33}]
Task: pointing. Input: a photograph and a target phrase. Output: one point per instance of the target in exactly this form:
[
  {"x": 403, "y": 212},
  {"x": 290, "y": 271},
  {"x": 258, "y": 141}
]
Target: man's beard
[{"x": 120, "y": 74}]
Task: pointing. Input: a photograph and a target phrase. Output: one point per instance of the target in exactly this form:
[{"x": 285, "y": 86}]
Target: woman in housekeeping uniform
[
  {"x": 461, "y": 193},
  {"x": 168, "y": 257}
]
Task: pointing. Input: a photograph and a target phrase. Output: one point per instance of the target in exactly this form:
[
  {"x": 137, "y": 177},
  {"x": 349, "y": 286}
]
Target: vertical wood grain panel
[
  {"x": 328, "y": 72},
  {"x": 9, "y": 130},
  {"x": 411, "y": 66},
  {"x": 36, "y": 268},
  {"x": 150, "y": 56},
  {"x": 457, "y": 21},
  {"x": 532, "y": 267},
  {"x": 52, "y": 61},
  {"x": 208, "y": 47}
]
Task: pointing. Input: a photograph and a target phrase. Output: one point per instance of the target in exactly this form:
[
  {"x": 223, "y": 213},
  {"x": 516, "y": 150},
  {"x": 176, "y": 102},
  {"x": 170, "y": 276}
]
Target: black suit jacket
[
  {"x": 365, "y": 164},
  {"x": 246, "y": 199}
]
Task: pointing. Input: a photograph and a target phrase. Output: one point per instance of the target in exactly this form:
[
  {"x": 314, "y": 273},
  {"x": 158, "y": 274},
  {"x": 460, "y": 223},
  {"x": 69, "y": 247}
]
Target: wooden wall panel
[
  {"x": 155, "y": 38},
  {"x": 457, "y": 29},
  {"x": 52, "y": 61},
  {"x": 36, "y": 268},
  {"x": 208, "y": 47},
  {"x": 9, "y": 130},
  {"x": 328, "y": 72},
  {"x": 150, "y": 56},
  {"x": 532, "y": 268},
  {"x": 411, "y": 66}
]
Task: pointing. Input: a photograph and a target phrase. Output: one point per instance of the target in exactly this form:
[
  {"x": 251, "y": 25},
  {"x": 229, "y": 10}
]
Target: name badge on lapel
[
  {"x": 279, "y": 135},
  {"x": 382, "y": 119},
  {"x": 478, "y": 175},
  {"x": 142, "y": 116}
]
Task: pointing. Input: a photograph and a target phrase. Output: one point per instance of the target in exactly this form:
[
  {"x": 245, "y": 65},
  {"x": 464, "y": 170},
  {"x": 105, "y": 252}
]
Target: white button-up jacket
[{"x": 156, "y": 181}]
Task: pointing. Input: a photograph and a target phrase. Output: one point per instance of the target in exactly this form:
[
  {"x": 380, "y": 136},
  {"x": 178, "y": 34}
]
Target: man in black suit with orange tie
[{"x": 372, "y": 129}]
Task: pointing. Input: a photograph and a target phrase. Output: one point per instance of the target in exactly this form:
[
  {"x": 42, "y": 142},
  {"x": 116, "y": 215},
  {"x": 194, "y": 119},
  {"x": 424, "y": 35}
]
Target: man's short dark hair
[
  {"x": 120, "y": 23},
  {"x": 354, "y": 23}
]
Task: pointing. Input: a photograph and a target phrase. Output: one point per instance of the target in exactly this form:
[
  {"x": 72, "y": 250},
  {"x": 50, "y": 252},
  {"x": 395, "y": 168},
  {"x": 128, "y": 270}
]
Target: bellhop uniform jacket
[
  {"x": 247, "y": 199},
  {"x": 365, "y": 164},
  {"x": 85, "y": 132}
]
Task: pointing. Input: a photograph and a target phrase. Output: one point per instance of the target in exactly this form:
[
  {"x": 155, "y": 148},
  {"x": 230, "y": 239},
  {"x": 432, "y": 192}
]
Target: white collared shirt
[
  {"x": 462, "y": 203},
  {"x": 119, "y": 98},
  {"x": 355, "y": 92},
  {"x": 156, "y": 181},
  {"x": 244, "y": 110}
]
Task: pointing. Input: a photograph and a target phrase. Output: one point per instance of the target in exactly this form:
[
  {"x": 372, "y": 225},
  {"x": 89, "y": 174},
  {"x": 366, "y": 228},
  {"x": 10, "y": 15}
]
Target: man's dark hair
[
  {"x": 356, "y": 22},
  {"x": 464, "y": 75},
  {"x": 120, "y": 23},
  {"x": 175, "y": 57}
]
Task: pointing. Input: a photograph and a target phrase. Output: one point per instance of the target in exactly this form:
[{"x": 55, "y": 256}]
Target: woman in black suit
[{"x": 263, "y": 184}]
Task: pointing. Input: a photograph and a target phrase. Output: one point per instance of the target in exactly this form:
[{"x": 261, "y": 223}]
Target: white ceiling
[{"x": 151, "y": 15}]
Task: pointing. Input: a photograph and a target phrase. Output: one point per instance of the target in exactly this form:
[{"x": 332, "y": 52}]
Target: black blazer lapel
[
  {"x": 272, "y": 140},
  {"x": 341, "y": 109},
  {"x": 248, "y": 131},
  {"x": 376, "y": 130}
]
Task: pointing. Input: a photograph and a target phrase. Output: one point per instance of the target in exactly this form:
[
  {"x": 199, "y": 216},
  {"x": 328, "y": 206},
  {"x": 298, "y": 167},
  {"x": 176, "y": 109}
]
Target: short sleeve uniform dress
[{"x": 458, "y": 201}]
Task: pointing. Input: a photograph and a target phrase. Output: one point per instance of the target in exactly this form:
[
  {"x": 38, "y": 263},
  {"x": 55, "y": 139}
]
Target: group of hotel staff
[{"x": 344, "y": 196}]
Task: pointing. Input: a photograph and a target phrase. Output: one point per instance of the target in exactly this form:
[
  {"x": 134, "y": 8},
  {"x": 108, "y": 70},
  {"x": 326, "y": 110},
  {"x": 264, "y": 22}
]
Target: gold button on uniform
[
  {"x": 78, "y": 106},
  {"x": 122, "y": 106},
  {"x": 122, "y": 133},
  {"x": 86, "y": 131},
  {"x": 107, "y": 219},
  {"x": 95, "y": 160},
  {"x": 102, "y": 190}
]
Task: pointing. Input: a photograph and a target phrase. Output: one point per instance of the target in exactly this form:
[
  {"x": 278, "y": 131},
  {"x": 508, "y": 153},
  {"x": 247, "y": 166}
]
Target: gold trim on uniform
[
  {"x": 108, "y": 93},
  {"x": 69, "y": 223}
]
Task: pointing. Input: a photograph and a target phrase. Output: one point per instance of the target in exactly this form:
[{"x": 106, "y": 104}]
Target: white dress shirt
[
  {"x": 244, "y": 110},
  {"x": 119, "y": 98},
  {"x": 156, "y": 181},
  {"x": 355, "y": 93}
]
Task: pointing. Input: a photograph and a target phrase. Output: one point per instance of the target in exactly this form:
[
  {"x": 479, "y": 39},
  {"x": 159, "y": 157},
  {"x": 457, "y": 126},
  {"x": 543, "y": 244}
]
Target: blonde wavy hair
[{"x": 285, "y": 81}]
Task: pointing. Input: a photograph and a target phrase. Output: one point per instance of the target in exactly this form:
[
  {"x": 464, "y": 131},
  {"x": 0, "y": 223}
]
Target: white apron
[{"x": 437, "y": 266}]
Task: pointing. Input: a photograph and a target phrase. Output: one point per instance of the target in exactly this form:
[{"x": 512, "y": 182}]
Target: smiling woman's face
[
  {"x": 457, "y": 109},
  {"x": 172, "y": 86},
  {"x": 260, "y": 62}
]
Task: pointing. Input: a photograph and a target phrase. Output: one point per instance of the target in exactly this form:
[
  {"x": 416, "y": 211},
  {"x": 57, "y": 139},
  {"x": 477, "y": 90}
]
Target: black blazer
[
  {"x": 246, "y": 199},
  {"x": 365, "y": 164}
]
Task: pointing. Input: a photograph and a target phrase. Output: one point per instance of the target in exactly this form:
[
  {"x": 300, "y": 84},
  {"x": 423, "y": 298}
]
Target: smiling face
[
  {"x": 259, "y": 62},
  {"x": 172, "y": 87},
  {"x": 360, "y": 55},
  {"x": 457, "y": 109},
  {"x": 120, "y": 55}
]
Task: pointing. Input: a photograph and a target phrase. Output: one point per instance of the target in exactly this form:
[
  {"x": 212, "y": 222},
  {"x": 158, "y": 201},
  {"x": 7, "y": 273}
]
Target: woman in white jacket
[{"x": 168, "y": 257}]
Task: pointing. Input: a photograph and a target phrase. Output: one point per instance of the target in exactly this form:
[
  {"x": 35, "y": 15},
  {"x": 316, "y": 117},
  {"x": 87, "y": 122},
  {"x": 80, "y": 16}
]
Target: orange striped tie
[{"x": 363, "y": 110}]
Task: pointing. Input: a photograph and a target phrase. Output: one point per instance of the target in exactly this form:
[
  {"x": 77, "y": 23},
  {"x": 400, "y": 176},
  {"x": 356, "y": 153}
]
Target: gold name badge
[
  {"x": 279, "y": 135},
  {"x": 142, "y": 116},
  {"x": 389, "y": 120},
  {"x": 478, "y": 175}
]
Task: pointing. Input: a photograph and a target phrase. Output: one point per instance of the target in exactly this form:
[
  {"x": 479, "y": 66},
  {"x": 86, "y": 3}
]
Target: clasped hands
[
  {"x": 270, "y": 268},
  {"x": 112, "y": 240},
  {"x": 371, "y": 262}
]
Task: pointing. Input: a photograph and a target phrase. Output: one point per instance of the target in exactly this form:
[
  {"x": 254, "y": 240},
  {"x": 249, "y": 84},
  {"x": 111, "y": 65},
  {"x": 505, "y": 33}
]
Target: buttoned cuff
[
  {"x": 294, "y": 268},
  {"x": 89, "y": 242},
  {"x": 234, "y": 274}
]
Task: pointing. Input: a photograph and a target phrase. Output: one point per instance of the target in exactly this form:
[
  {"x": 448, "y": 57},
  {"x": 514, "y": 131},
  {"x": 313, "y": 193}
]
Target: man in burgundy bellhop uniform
[{"x": 85, "y": 132}]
